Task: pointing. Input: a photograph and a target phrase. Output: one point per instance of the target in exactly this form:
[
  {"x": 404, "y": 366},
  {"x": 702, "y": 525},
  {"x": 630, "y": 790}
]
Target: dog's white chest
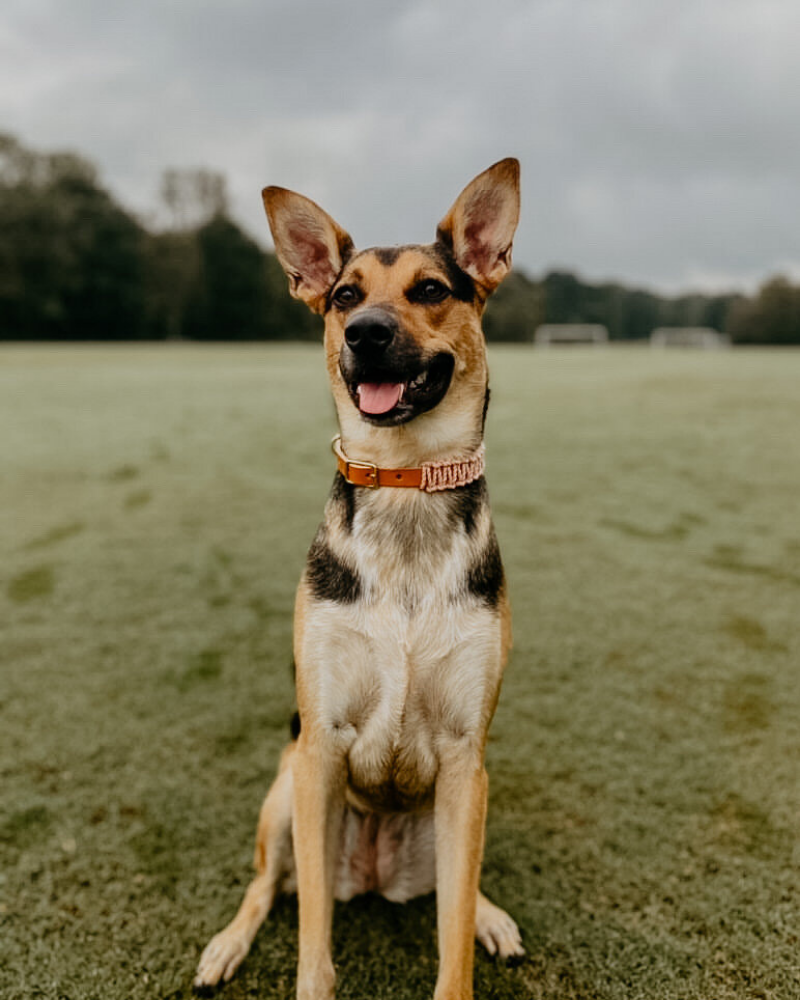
[
  {"x": 412, "y": 663},
  {"x": 395, "y": 688}
]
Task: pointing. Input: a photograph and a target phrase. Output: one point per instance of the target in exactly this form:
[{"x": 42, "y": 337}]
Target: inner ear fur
[
  {"x": 480, "y": 226},
  {"x": 311, "y": 247}
]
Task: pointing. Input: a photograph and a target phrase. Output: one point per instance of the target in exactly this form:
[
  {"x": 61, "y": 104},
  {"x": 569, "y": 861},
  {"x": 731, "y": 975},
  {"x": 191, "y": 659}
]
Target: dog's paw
[
  {"x": 221, "y": 958},
  {"x": 498, "y": 933}
]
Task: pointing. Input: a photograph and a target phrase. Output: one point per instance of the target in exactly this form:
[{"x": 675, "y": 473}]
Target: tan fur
[
  {"x": 454, "y": 427},
  {"x": 385, "y": 788}
]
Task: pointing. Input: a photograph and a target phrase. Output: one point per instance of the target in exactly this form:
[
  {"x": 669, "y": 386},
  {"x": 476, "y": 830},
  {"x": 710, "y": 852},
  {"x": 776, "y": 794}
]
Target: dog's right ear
[
  {"x": 311, "y": 247},
  {"x": 480, "y": 226}
]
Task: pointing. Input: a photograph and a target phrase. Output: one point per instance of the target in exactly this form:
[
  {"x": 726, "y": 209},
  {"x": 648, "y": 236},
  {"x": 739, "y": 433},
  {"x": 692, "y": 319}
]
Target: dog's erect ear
[
  {"x": 311, "y": 247},
  {"x": 479, "y": 228}
]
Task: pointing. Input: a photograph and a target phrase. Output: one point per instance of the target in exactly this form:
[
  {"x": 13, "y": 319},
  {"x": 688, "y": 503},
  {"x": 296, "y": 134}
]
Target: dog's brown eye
[
  {"x": 428, "y": 291},
  {"x": 347, "y": 295}
]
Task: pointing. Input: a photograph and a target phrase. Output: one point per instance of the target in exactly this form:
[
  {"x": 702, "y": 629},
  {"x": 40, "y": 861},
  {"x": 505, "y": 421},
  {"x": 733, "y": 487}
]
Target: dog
[{"x": 402, "y": 623}]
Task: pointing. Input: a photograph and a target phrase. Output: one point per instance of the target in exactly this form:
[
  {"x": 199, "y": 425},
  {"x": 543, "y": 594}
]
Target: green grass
[{"x": 155, "y": 509}]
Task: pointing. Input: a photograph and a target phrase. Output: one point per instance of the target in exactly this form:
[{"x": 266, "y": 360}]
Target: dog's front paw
[
  {"x": 221, "y": 958},
  {"x": 497, "y": 932},
  {"x": 316, "y": 980}
]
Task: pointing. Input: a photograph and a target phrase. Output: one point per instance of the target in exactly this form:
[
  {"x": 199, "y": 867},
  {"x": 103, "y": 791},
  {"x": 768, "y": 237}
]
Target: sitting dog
[{"x": 402, "y": 623}]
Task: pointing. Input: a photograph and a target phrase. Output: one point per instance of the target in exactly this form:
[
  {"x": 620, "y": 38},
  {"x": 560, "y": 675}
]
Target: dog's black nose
[{"x": 370, "y": 332}]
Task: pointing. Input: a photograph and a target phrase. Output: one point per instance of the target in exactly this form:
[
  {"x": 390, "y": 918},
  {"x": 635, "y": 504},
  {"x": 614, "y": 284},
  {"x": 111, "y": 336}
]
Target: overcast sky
[{"x": 659, "y": 139}]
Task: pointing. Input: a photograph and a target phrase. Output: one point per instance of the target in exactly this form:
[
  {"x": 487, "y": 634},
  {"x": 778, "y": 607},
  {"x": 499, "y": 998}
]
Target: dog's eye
[
  {"x": 347, "y": 295},
  {"x": 428, "y": 291}
]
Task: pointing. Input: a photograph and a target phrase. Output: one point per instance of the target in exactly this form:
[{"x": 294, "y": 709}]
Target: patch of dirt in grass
[
  {"x": 751, "y": 633},
  {"x": 123, "y": 474},
  {"x": 32, "y": 584},
  {"x": 738, "y": 826},
  {"x": 55, "y": 535},
  {"x": 138, "y": 499},
  {"x": 26, "y": 826},
  {"x": 201, "y": 668},
  {"x": 732, "y": 559},
  {"x": 747, "y": 709}
]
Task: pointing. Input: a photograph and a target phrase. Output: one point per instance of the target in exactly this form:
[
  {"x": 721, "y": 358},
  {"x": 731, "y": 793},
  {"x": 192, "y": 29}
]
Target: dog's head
[{"x": 403, "y": 336}]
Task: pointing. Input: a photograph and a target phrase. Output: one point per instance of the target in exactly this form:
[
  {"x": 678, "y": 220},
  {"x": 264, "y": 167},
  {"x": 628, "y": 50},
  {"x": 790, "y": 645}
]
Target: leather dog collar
[{"x": 430, "y": 476}]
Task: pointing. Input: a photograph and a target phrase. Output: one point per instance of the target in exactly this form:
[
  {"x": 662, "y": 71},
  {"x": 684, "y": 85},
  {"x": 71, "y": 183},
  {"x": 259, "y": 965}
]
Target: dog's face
[
  {"x": 402, "y": 328},
  {"x": 403, "y": 338}
]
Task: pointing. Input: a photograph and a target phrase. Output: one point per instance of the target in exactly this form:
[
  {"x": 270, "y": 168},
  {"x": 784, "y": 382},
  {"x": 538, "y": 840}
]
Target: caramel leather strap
[{"x": 431, "y": 476}]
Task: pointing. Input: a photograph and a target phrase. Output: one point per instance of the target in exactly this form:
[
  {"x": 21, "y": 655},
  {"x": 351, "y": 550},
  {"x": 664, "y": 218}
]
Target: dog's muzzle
[
  {"x": 389, "y": 379},
  {"x": 370, "y": 332}
]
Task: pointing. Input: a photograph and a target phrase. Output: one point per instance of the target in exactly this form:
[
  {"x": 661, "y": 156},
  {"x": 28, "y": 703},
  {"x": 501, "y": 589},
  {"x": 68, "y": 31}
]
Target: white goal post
[
  {"x": 703, "y": 337},
  {"x": 552, "y": 334}
]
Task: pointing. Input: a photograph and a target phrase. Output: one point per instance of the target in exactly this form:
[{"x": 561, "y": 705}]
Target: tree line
[{"x": 76, "y": 265}]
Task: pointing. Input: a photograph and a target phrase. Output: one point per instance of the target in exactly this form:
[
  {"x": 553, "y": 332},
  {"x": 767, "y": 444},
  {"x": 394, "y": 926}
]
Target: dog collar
[{"x": 431, "y": 477}]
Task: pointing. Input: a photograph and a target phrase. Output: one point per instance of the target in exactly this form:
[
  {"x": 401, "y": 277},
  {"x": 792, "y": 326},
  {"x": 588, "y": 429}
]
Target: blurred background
[
  {"x": 658, "y": 141},
  {"x": 159, "y": 491}
]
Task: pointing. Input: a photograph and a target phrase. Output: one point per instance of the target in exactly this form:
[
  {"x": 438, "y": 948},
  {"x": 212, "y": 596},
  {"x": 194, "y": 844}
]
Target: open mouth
[{"x": 386, "y": 398}]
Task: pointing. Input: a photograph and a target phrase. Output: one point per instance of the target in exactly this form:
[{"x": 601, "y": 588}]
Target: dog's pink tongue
[{"x": 379, "y": 397}]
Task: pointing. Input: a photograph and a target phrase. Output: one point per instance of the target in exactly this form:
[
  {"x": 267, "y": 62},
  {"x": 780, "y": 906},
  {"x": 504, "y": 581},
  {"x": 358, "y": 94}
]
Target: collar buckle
[{"x": 369, "y": 469}]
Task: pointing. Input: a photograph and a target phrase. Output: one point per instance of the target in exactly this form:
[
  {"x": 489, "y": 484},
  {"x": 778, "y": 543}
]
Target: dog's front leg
[
  {"x": 319, "y": 784},
  {"x": 460, "y": 817}
]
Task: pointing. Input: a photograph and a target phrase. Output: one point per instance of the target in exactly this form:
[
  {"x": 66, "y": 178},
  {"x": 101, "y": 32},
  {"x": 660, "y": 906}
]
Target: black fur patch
[
  {"x": 461, "y": 284},
  {"x": 485, "y": 579},
  {"x": 466, "y": 504},
  {"x": 294, "y": 725},
  {"x": 343, "y": 495},
  {"x": 348, "y": 251},
  {"x": 387, "y": 255},
  {"x": 329, "y": 578}
]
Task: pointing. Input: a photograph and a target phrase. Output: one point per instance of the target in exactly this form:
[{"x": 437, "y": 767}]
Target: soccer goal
[
  {"x": 689, "y": 336},
  {"x": 557, "y": 334}
]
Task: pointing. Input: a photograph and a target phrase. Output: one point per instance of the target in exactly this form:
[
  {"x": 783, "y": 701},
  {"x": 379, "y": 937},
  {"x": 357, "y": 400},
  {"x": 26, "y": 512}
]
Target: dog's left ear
[
  {"x": 310, "y": 245},
  {"x": 480, "y": 226}
]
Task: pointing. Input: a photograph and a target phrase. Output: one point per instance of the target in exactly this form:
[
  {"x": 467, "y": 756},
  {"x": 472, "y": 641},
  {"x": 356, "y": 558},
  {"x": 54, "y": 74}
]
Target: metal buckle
[{"x": 370, "y": 467}]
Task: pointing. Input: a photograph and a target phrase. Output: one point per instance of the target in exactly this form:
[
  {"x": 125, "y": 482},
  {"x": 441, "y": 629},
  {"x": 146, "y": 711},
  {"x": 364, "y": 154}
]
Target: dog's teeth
[{"x": 402, "y": 392}]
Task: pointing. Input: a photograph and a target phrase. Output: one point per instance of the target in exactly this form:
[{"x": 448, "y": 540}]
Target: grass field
[{"x": 155, "y": 509}]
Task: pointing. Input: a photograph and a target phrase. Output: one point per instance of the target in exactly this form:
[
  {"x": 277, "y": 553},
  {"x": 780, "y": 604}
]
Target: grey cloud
[{"x": 658, "y": 139}]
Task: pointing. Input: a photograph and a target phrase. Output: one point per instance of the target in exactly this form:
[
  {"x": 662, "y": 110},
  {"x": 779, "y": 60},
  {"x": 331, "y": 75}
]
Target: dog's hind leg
[
  {"x": 497, "y": 932},
  {"x": 273, "y": 861}
]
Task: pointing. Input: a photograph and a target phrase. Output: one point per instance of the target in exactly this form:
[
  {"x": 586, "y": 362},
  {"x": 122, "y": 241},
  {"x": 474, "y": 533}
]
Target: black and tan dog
[{"x": 402, "y": 625}]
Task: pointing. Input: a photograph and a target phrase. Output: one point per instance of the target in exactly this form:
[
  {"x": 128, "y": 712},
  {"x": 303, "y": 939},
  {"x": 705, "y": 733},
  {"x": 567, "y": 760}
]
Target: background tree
[
  {"x": 229, "y": 299},
  {"x": 172, "y": 268},
  {"x": 772, "y": 317},
  {"x": 71, "y": 260},
  {"x": 208, "y": 279},
  {"x": 193, "y": 196},
  {"x": 74, "y": 265},
  {"x": 287, "y": 319},
  {"x": 515, "y": 310}
]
